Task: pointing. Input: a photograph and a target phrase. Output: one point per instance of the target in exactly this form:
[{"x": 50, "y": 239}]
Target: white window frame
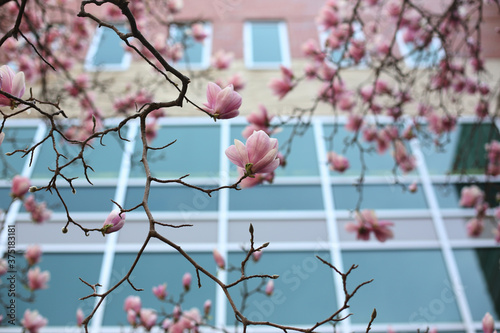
[
  {"x": 90, "y": 66},
  {"x": 205, "y": 53},
  {"x": 405, "y": 50},
  {"x": 248, "y": 46}
]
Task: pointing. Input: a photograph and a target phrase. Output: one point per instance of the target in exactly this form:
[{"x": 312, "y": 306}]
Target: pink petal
[
  {"x": 258, "y": 145},
  {"x": 227, "y": 100},
  {"x": 18, "y": 85},
  {"x": 237, "y": 153},
  {"x": 212, "y": 92}
]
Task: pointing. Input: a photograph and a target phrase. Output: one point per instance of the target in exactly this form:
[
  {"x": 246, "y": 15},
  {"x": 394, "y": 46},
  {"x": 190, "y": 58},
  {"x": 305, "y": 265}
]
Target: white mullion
[
  {"x": 112, "y": 239},
  {"x": 10, "y": 218},
  {"x": 222, "y": 229},
  {"x": 331, "y": 221},
  {"x": 446, "y": 248}
]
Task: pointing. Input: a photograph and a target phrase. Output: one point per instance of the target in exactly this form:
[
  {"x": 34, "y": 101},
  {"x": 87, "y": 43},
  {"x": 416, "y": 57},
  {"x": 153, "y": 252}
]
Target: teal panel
[
  {"x": 480, "y": 274},
  {"x": 409, "y": 286},
  {"x": 302, "y": 159},
  {"x": 110, "y": 50},
  {"x": 59, "y": 302},
  {"x": 296, "y": 300},
  {"x": 193, "y": 50},
  {"x": 5, "y": 198},
  {"x": 378, "y": 197},
  {"x": 173, "y": 199},
  {"x": 266, "y": 42},
  {"x": 277, "y": 197},
  {"x": 104, "y": 157},
  {"x": 196, "y": 152},
  {"x": 15, "y": 138},
  {"x": 152, "y": 270}
]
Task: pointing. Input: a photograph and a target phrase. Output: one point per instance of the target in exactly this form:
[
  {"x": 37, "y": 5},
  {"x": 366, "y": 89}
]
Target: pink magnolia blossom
[
  {"x": 222, "y": 59},
  {"x": 132, "y": 303},
  {"x": 269, "y": 287},
  {"x": 470, "y": 196},
  {"x": 132, "y": 318},
  {"x": 38, "y": 211},
  {"x": 206, "y": 307},
  {"x": 4, "y": 267},
  {"x": 152, "y": 128},
  {"x": 337, "y": 162},
  {"x": 405, "y": 161},
  {"x": 412, "y": 187},
  {"x": 256, "y": 255},
  {"x": 20, "y": 186},
  {"x": 79, "y": 317},
  {"x": 356, "y": 50},
  {"x": 361, "y": 229},
  {"x": 475, "y": 227},
  {"x": 191, "y": 319},
  {"x": 367, "y": 222},
  {"x": 33, "y": 254},
  {"x": 198, "y": 32},
  {"x": 237, "y": 81},
  {"x": 328, "y": 17},
  {"x": 370, "y": 133},
  {"x": 482, "y": 109},
  {"x": 282, "y": 86},
  {"x": 175, "y": 6},
  {"x": 148, "y": 318},
  {"x": 259, "y": 120},
  {"x": 219, "y": 260},
  {"x": 160, "y": 291},
  {"x": 37, "y": 279},
  {"x": 11, "y": 83},
  {"x": 33, "y": 321},
  {"x": 175, "y": 52},
  {"x": 113, "y": 222},
  {"x": 186, "y": 281},
  {"x": 354, "y": 122},
  {"x": 488, "y": 323},
  {"x": 259, "y": 155},
  {"x": 222, "y": 103},
  {"x": 258, "y": 178}
]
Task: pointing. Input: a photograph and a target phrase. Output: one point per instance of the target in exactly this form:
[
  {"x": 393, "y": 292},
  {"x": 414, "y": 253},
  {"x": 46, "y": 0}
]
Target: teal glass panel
[
  {"x": 59, "y": 302},
  {"x": 463, "y": 152},
  {"x": 409, "y": 286},
  {"x": 104, "y": 157},
  {"x": 302, "y": 159},
  {"x": 266, "y": 42},
  {"x": 448, "y": 195},
  {"x": 188, "y": 155},
  {"x": 193, "y": 50},
  {"x": 15, "y": 138},
  {"x": 297, "y": 298},
  {"x": 85, "y": 199},
  {"x": 277, "y": 197},
  {"x": 376, "y": 164},
  {"x": 5, "y": 198},
  {"x": 110, "y": 50},
  {"x": 179, "y": 199},
  {"x": 378, "y": 197},
  {"x": 152, "y": 270},
  {"x": 480, "y": 274}
]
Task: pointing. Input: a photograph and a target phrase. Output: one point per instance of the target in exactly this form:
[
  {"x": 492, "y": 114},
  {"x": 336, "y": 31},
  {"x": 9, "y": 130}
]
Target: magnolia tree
[{"x": 42, "y": 45}]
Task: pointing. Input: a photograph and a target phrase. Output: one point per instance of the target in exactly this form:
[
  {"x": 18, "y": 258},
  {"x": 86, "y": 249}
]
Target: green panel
[
  {"x": 277, "y": 197},
  {"x": 376, "y": 164},
  {"x": 302, "y": 159},
  {"x": 480, "y": 275},
  {"x": 110, "y": 50},
  {"x": 173, "y": 198},
  {"x": 196, "y": 152},
  {"x": 463, "y": 152},
  {"x": 104, "y": 158},
  {"x": 86, "y": 199},
  {"x": 409, "y": 286},
  {"x": 448, "y": 195},
  {"x": 152, "y": 270},
  {"x": 15, "y": 138},
  {"x": 266, "y": 42},
  {"x": 59, "y": 302},
  {"x": 378, "y": 197},
  {"x": 296, "y": 300}
]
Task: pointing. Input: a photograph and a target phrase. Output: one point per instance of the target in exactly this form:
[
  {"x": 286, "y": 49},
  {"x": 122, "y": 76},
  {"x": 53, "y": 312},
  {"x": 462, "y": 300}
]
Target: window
[
  {"x": 266, "y": 44},
  {"x": 106, "y": 52},
  {"x": 421, "y": 58},
  {"x": 196, "y": 54},
  {"x": 335, "y": 56}
]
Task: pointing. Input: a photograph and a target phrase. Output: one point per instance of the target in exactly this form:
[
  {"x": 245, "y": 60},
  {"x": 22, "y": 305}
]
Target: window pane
[
  {"x": 168, "y": 268},
  {"x": 300, "y": 274},
  {"x": 409, "y": 286},
  {"x": 193, "y": 50},
  {"x": 196, "y": 152},
  {"x": 179, "y": 199},
  {"x": 480, "y": 275},
  {"x": 59, "y": 302},
  {"x": 15, "y": 138},
  {"x": 110, "y": 50},
  {"x": 378, "y": 197},
  {"x": 266, "y": 42},
  {"x": 277, "y": 197},
  {"x": 302, "y": 160}
]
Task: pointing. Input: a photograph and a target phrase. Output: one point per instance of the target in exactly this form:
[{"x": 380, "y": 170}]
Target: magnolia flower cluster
[
  {"x": 367, "y": 223},
  {"x": 11, "y": 83},
  {"x": 113, "y": 222},
  {"x": 32, "y": 321},
  {"x": 222, "y": 103},
  {"x": 138, "y": 316},
  {"x": 493, "y": 150},
  {"x": 38, "y": 210}
]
